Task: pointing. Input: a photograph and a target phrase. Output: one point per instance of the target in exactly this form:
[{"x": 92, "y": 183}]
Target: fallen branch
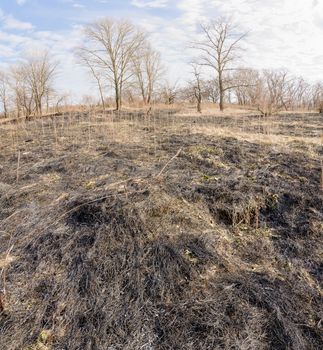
[{"x": 166, "y": 165}]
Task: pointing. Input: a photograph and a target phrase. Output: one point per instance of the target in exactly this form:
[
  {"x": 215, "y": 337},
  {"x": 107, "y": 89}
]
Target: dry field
[{"x": 168, "y": 231}]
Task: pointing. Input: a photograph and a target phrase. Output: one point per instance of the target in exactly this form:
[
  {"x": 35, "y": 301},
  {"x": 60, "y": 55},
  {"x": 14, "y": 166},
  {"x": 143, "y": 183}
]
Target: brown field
[{"x": 166, "y": 231}]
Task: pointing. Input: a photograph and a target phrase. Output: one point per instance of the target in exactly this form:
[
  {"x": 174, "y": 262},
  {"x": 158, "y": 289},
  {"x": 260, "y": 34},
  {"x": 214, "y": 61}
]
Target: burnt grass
[{"x": 99, "y": 250}]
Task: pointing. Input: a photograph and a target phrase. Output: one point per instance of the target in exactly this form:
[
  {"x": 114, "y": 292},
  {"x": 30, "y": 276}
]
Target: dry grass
[
  {"x": 6, "y": 261},
  {"x": 161, "y": 232}
]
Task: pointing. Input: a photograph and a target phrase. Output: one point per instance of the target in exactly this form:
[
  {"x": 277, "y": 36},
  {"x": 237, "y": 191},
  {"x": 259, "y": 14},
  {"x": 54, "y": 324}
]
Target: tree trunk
[
  {"x": 221, "y": 101},
  {"x": 221, "y": 91},
  {"x": 117, "y": 98},
  {"x": 199, "y": 106},
  {"x": 5, "y": 109},
  {"x": 198, "y": 97},
  {"x": 120, "y": 94},
  {"x": 143, "y": 94},
  {"x": 40, "y": 111},
  {"x": 102, "y": 97}
]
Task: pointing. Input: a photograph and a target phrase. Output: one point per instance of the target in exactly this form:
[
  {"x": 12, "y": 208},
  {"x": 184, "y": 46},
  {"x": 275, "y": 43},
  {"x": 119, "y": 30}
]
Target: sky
[{"x": 281, "y": 33}]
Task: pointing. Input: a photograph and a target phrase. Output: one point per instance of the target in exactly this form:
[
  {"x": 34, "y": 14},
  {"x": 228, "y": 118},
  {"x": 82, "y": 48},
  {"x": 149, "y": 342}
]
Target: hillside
[{"x": 128, "y": 231}]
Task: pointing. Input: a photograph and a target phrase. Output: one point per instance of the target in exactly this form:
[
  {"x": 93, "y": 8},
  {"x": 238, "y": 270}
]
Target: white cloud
[
  {"x": 152, "y": 3},
  {"x": 21, "y": 2},
  {"x": 74, "y": 3},
  {"x": 9, "y": 22},
  {"x": 78, "y": 6},
  {"x": 283, "y": 33},
  {"x": 12, "y": 23}
]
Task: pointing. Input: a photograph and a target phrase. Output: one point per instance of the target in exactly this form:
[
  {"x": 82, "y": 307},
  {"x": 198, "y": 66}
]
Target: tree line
[{"x": 120, "y": 59}]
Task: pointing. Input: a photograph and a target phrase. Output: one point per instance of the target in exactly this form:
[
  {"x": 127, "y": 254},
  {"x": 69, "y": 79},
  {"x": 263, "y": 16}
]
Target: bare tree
[
  {"x": 317, "y": 97},
  {"x": 195, "y": 87},
  {"x": 59, "y": 101},
  {"x": 299, "y": 90},
  {"x": 39, "y": 73},
  {"x": 23, "y": 95},
  {"x": 211, "y": 90},
  {"x": 246, "y": 83},
  {"x": 110, "y": 46},
  {"x": 147, "y": 70},
  {"x": 169, "y": 92},
  {"x": 273, "y": 91},
  {"x": 88, "y": 101},
  {"x": 219, "y": 50},
  {"x": 4, "y": 93},
  {"x": 129, "y": 94},
  {"x": 32, "y": 83},
  {"x": 50, "y": 98},
  {"x": 96, "y": 71}
]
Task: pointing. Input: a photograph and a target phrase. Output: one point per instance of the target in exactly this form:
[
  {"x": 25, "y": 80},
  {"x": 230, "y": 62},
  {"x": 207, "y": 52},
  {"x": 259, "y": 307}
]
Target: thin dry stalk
[
  {"x": 18, "y": 165},
  {"x": 3, "y": 271},
  {"x": 1, "y": 301},
  {"x": 4, "y": 282}
]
